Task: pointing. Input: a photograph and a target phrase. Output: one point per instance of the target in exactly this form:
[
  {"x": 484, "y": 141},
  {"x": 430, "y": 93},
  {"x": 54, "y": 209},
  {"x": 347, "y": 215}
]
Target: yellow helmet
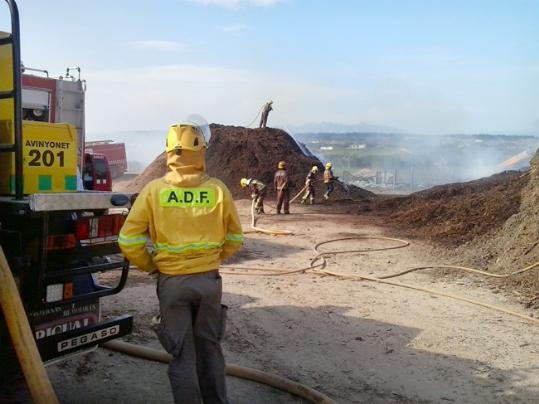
[
  {"x": 185, "y": 136},
  {"x": 244, "y": 182},
  {"x": 281, "y": 165},
  {"x": 328, "y": 166},
  {"x": 314, "y": 169}
]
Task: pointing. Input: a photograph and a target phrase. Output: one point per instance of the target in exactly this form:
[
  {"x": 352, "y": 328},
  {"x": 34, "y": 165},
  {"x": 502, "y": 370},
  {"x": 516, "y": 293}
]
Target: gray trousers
[{"x": 191, "y": 330}]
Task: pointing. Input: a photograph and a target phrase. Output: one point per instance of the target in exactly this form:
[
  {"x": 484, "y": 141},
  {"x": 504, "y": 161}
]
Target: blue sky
[{"x": 421, "y": 66}]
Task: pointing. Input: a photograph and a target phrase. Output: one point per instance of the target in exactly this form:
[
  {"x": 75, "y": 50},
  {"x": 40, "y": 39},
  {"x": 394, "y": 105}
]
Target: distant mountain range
[{"x": 333, "y": 127}]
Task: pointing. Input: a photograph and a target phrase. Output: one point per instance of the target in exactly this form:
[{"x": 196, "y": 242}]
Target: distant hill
[{"x": 333, "y": 127}]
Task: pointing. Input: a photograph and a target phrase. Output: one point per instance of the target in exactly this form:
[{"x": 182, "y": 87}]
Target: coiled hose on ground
[
  {"x": 383, "y": 279},
  {"x": 318, "y": 264}
]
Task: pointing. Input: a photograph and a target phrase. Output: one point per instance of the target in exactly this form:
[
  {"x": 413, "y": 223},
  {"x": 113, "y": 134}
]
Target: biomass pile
[
  {"x": 237, "y": 152},
  {"x": 457, "y": 213},
  {"x": 493, "y": 223},
  {"x": 516, "y": 244}
]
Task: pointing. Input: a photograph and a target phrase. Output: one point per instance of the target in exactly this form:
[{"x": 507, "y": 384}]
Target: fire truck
[
  {"x": 61, "y": 99},
  {"x": 114, "y": 153},
  {"x": 55, "y": 235}
]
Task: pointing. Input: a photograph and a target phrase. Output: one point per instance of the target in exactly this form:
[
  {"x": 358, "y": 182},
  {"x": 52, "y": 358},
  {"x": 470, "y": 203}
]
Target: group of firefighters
[{"x": 282, "y": 188}]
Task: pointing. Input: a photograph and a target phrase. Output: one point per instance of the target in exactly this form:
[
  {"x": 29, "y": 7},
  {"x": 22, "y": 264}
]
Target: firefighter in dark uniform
[
  {"x": 281, "y": 185},
  {"x": 265, "y": 112},
  {"x": 309, "y": 184}
]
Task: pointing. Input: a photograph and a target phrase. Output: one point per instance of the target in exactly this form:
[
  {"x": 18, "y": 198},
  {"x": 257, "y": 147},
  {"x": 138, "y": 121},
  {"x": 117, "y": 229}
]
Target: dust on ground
[{"x": 355, "y": 341}]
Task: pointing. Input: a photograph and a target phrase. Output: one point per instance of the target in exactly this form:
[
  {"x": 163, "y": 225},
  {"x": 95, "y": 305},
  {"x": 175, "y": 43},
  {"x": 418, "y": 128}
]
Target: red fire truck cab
[{"x": 114, "y": 152}]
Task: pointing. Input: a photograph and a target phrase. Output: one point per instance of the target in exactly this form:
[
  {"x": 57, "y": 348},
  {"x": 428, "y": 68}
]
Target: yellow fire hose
[
  {"x": 258, "y": 376},
  {"x": 382, "y": 279},
  {"x": 320, "y": 270},
  {"x": 265, "y": 231},
  {"x": 271, "y": 231},
  {"x": 21, "y": 336}
]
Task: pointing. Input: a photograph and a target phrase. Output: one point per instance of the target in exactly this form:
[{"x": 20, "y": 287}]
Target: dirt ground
[{"x": 353, "y": 340}]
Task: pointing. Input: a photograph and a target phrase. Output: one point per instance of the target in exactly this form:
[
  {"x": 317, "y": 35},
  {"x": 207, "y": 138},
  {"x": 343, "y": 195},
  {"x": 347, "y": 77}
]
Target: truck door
[{"x": 96, "y": 175}]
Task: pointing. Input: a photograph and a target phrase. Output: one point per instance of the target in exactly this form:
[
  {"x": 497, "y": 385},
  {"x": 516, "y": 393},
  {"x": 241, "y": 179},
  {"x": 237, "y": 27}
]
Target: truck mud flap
[{"x": 84, "y": 338}]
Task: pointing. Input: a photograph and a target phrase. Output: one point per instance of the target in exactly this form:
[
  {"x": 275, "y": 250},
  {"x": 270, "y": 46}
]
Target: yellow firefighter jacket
[
  {"x": 190, "y": 219},
  {"x": 328, "y": 176}
]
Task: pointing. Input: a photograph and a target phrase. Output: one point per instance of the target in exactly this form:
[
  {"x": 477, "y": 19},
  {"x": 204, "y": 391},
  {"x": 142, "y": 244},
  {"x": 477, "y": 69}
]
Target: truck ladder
[{"x": 16, "y": 94}]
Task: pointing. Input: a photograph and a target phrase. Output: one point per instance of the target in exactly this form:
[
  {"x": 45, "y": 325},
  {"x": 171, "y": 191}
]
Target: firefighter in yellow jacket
[
  {"x": 193, "y": 225},
  {"x": 329, "y": 180}
]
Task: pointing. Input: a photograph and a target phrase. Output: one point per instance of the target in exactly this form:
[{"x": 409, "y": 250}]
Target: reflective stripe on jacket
[{"x": 191, "y": 228}]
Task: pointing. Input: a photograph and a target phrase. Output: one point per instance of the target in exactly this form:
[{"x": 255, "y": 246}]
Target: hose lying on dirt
[
  {"x": 407, "y": 271},
  {"x": 320, "y": 270},
  {"x": 312, "y": 266},
  {"x": 433, "y": 292},
  {"x": 477, "y": 271},
  {"x": 258, "y": 376},
  {"x": 382, "y": 279},
  {"x": 271, "y": 231},
  {"x": 265, "y": 231}
]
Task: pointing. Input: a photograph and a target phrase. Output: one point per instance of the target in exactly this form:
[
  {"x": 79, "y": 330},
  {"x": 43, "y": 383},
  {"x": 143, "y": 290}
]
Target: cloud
[
  {"x": 153, "y": 97},
  {"x": 233, "y": 28},
  {"x": 159, "y": 46},
  {"x": 237, "y": 3},
  {"x": 419, "y": 110}
]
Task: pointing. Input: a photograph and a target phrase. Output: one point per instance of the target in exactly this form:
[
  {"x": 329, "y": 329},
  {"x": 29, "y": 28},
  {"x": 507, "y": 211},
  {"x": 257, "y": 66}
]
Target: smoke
[
  {"x": 142, "y": 147},
  {"x": 420, "y": 160}
]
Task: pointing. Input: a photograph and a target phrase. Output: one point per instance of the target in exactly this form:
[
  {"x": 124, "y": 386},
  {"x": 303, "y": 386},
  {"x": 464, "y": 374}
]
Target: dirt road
[{"x": 355, "y": 341}]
